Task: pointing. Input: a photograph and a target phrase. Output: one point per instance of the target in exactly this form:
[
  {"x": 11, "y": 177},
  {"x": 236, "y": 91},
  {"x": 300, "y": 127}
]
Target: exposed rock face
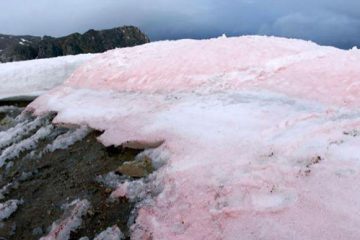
[{"x": 18, "y": 48}]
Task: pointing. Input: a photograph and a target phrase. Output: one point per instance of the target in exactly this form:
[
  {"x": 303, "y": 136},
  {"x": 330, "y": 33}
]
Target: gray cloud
[
  {"x": 324, "y": 28},
  {"x": 331, "y": 22}
]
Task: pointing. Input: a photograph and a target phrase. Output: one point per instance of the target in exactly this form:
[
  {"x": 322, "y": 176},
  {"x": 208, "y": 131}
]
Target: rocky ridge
[{"x": 19, "y": 48}]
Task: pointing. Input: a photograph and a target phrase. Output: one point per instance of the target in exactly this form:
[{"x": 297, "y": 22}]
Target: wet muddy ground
[{"x": 43, "y": 180}]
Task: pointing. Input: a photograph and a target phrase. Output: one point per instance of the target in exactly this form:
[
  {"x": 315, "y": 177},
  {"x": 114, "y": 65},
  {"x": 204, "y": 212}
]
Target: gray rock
[{"x": 18, "y": 48}]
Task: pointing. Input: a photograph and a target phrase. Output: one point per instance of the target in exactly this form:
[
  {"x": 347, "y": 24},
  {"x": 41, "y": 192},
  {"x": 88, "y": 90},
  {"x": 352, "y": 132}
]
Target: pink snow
[
  {"x": 240, "y": 63},
  {"x": 260, "y": 134}
]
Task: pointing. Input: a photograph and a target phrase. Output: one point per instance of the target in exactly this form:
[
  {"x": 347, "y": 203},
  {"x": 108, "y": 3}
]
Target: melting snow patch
[
  {"x": 17, "y": 132},
  {"x": 67, "y": 139},
  {"x": 6, "y": 189},
  {"x": 111, "y": 180},
  {"x": 111, "y": 233},
  {"x": 7, "y": 208},
  {"x": 71, "y": 220},
  {"x": 27, "y": 144}
]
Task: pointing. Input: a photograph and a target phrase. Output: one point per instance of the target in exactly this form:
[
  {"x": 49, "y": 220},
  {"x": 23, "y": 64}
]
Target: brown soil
[{"x": 47, "y": 182}]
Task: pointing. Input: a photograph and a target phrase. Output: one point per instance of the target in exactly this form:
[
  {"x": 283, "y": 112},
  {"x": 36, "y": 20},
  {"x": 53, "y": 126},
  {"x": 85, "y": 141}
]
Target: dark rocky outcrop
[{"x": 18, "y": 48}]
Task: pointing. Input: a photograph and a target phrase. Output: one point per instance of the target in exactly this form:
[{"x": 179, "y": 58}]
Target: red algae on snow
[
  {"x": 254, "y": 131},
  {"x": 287, "y": 66}
]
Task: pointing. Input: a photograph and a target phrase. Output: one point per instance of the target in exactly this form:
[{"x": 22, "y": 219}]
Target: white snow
[
  {"x": 254, "y": 132},
  {"x": 29, "y": 79},
  {"x": 111, "y": 233}
]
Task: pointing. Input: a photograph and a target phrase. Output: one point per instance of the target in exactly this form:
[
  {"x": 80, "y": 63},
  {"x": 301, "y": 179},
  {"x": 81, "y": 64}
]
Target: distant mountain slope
[
  {"x": 18, "y": 48},
  {"x": 28, "y": 79}
]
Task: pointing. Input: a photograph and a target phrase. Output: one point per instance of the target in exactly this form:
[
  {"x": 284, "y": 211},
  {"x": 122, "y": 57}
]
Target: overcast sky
[{"x": 330, "y": 22}]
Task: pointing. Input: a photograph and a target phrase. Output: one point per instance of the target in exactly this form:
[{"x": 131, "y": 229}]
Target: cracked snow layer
[
  {"x": 9, "y": 207},
  {"x": 71, "y": 220}
]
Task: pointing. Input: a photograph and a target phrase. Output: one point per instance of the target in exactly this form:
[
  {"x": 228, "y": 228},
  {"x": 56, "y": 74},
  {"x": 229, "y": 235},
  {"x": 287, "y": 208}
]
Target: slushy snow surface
[
  {"x": 260, "y": 135},
  {"x": 29, "y": 79}
]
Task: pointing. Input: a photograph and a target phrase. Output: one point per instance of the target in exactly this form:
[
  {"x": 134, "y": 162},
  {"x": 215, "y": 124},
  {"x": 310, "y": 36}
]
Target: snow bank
[
  {"x": 29, "y": 79},
  {"x": 259, "y": 134}
]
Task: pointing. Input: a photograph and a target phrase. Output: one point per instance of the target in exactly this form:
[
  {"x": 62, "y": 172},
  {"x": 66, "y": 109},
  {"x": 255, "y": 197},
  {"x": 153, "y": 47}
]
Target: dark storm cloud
[{"x": 332, "y": 22}]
